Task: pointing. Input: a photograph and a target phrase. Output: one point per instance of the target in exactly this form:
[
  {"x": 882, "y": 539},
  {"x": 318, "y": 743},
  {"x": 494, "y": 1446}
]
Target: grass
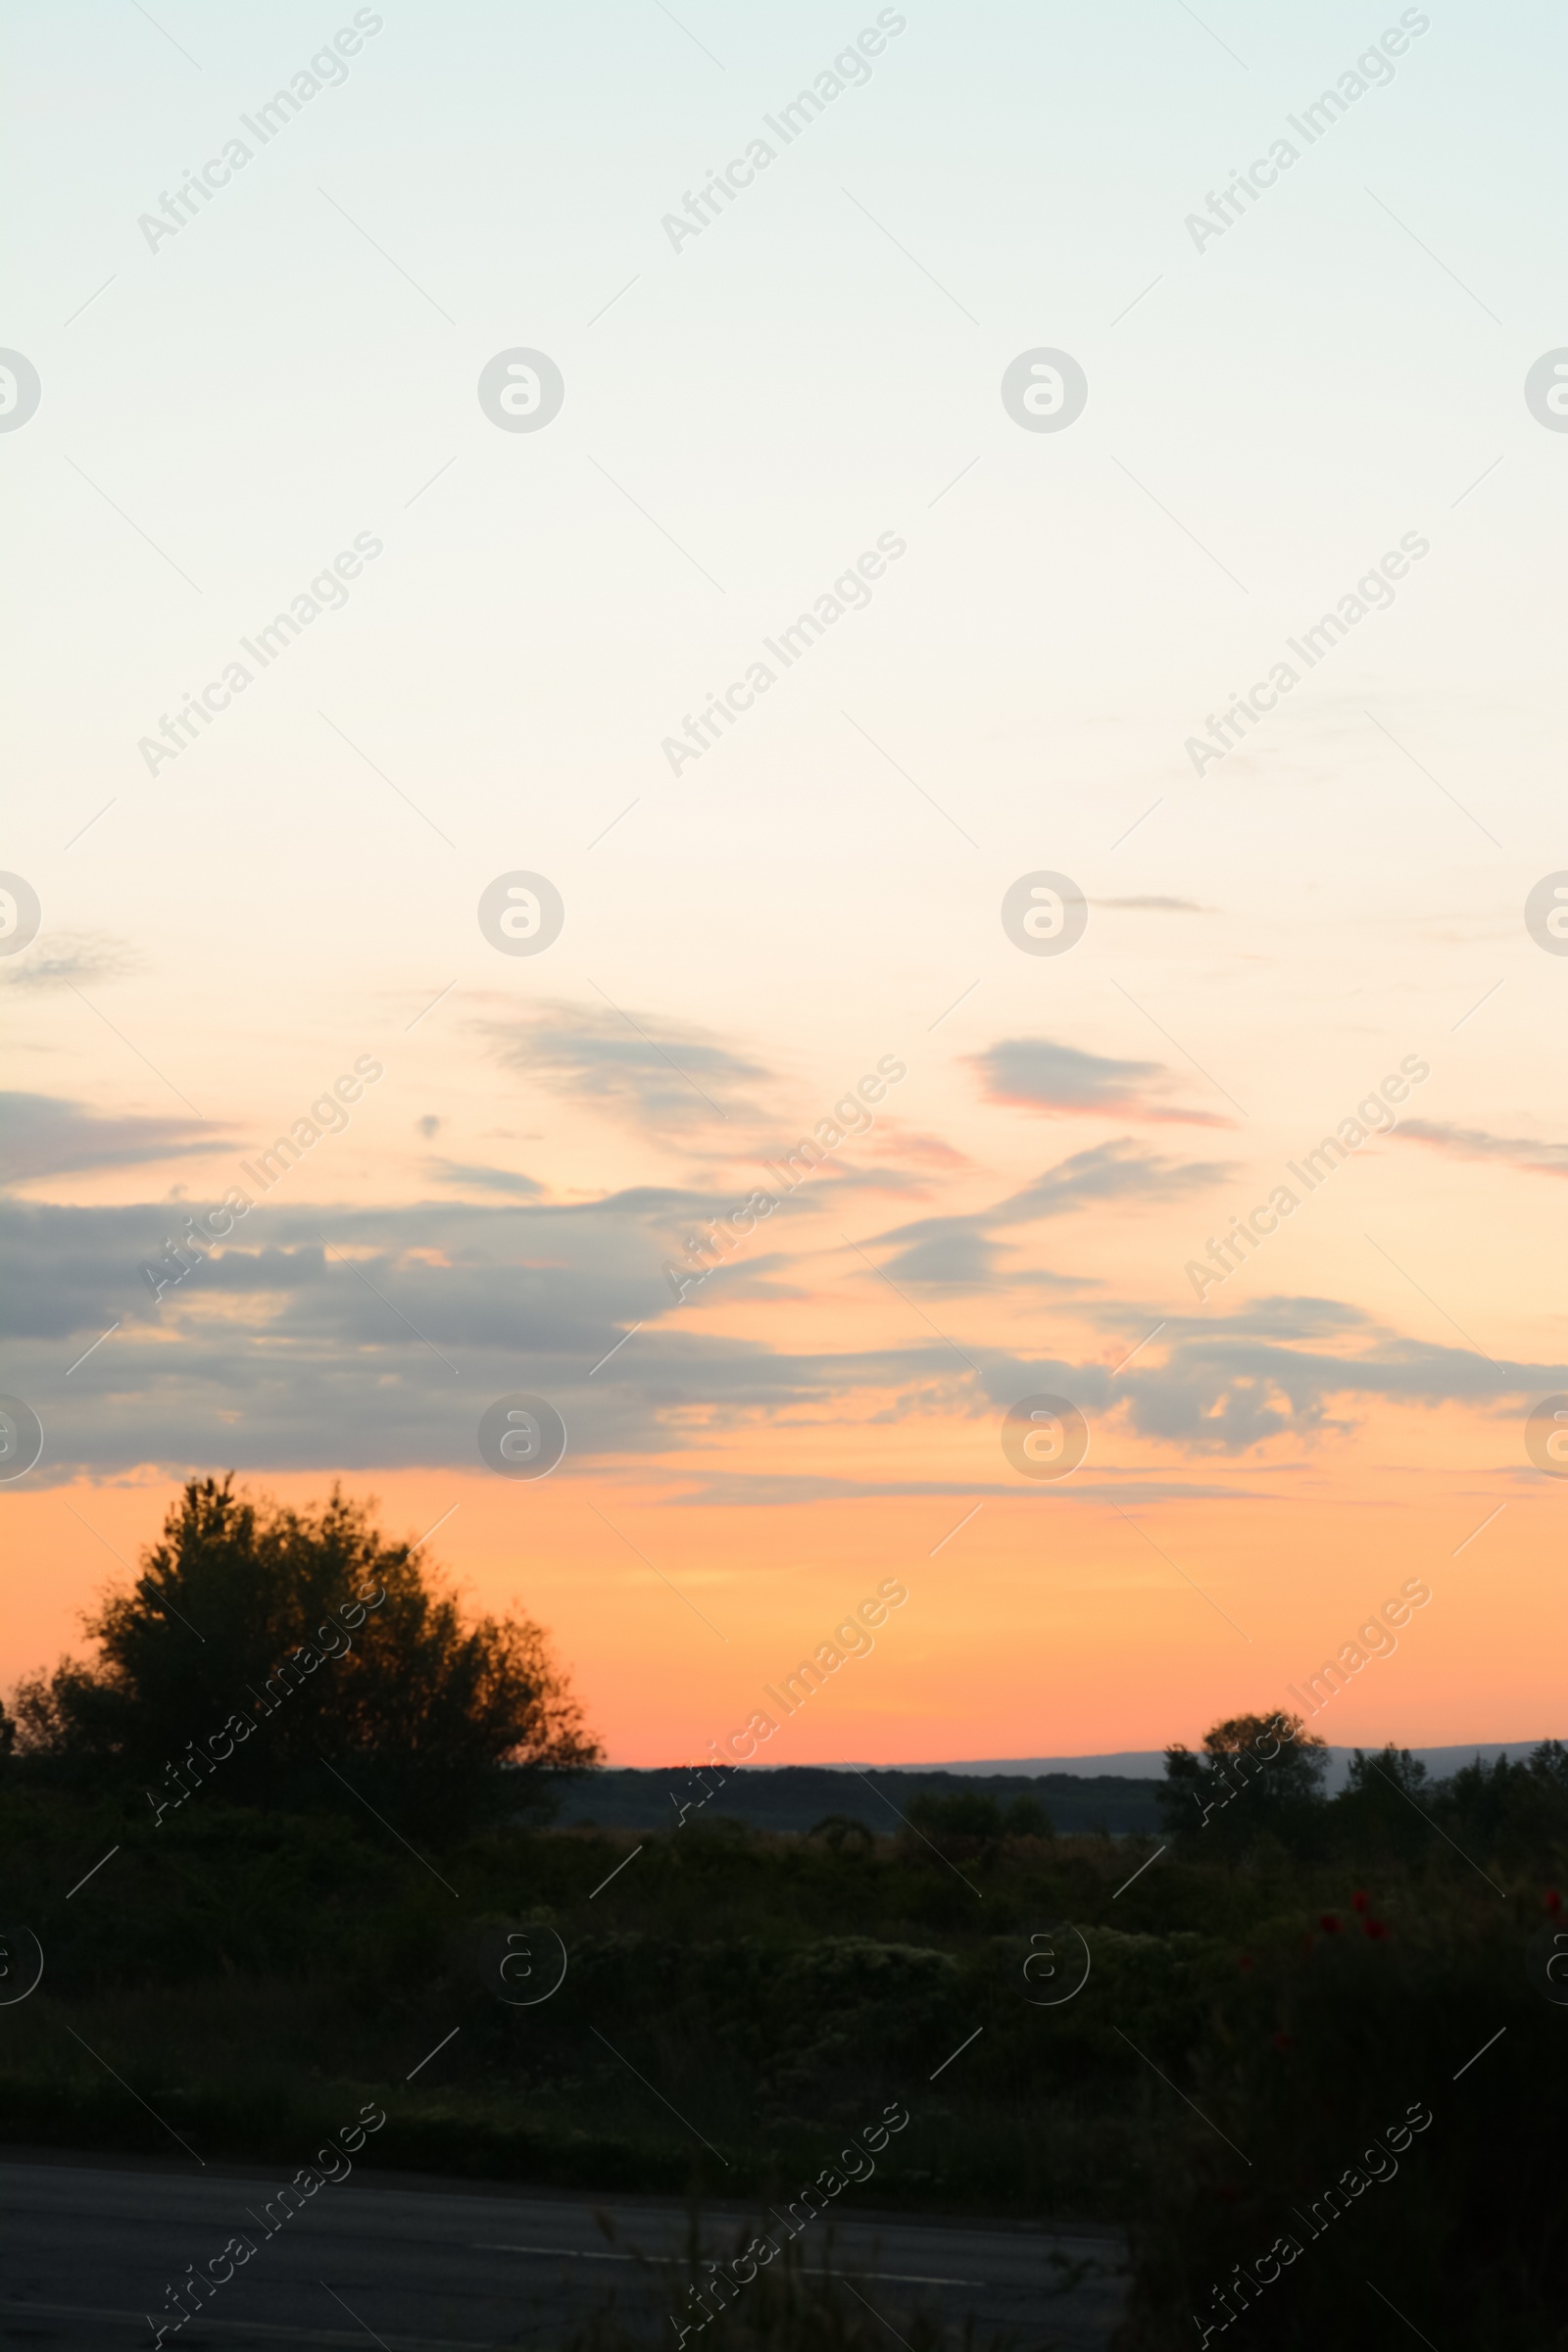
[{"x": 256, "y": 1978}]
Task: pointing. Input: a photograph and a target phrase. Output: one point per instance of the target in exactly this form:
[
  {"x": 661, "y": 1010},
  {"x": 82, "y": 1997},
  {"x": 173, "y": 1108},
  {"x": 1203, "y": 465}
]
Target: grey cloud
[
  {"x": 770, "y": 1492},
  {"x": 633, "y": 1066},
  {"x": 66, "y": 959},
  {"x": 1475, "y": 1142},
  {"x": 488, "y": 1180},
  {"x": 1155, "y": 905},
  {"x": 1277, "y": 1318},
  {"x": 48, "y": 1136},
  {"x": 1116, "y": 1171},
  {"x": 763, "y": 1277},
  {"x": 1038, "y": 1073},
  {"x": 368, "y": 1338},
  {"x": 951, "y": 1253},
  {"x": 1223, "y": 1395},
  {"x": 962, "y": 1252}
]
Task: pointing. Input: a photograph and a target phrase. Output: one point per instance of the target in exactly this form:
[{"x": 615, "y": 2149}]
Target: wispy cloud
[
  {"x": 1038, "y": 1073},
  {"x": 1475, "y": 1142},
  {"x": 631, "y": 1065},
  {"x": 488, "y": 1180},
  {"x": 49, "y": 1136},
  {"x": 68, "y": 959},
  {"x": 932, "y": 1153},
  {"x": 1227, "y": 1394},
  {"x": 963, "y": 1252},
  {"x": 1154, "y": 905},
  {"x": 292, "y": 1354},
  {"x": 1116, "y": 1171},
  {"x": 761, "y": 1488}
]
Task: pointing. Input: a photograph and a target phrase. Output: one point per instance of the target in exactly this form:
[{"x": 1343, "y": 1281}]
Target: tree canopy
[
  {"x": 268, "y": 1648},
  {"x": 1259, "y": 1778},
  {"x": 1254, "y": 1774}
]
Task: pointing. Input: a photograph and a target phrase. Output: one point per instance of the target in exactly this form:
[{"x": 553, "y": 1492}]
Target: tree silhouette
[
  {"x": 1255, "y": 1774},
  {"x": 260, "y": 1644}
]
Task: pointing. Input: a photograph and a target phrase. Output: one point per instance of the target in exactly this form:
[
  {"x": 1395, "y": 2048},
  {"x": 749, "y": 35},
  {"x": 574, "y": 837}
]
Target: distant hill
[
  {"x": 1142, "y": 1763},
  {"x": 797, "y": 1796},
  {"x": 1113, "y": 1792}
]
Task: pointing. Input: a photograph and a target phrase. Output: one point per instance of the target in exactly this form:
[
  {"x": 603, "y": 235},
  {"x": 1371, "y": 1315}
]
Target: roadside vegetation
[{"x": 1278, "y": 1985}]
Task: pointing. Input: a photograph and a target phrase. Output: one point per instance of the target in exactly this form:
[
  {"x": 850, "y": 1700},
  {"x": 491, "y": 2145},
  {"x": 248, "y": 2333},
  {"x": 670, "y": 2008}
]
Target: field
[{"x": 739, "y": 2006}]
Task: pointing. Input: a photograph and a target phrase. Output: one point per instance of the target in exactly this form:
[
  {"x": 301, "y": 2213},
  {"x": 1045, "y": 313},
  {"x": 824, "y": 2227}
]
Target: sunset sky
[{"x": 1049, "y": 621}]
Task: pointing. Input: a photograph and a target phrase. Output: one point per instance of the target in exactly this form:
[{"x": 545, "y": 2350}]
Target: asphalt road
[{"x": 89, "y": 2245}]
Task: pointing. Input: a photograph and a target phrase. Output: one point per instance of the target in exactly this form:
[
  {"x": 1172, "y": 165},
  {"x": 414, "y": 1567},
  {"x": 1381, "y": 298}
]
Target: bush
[
  {"x": 975, "y": 1814},
  {"x": 261, "y": 1644},
  {"x": 1370, "y": 2132}
]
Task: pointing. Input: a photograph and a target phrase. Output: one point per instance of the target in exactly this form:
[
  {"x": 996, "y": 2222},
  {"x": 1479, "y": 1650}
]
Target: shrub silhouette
[
  {"x": 298, "y": 1638},
  {"x": 974, "y": 1813}
]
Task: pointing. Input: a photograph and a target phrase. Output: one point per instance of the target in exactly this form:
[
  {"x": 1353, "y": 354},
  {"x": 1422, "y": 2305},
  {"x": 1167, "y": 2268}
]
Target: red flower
[
  {"x": 1246, "y": 1960},
  {"x": 1284, "y": 2042},
  {"x": 1330, "y": 1923},
  {"x": 1358, "y": 1900},
  {"x": 1554, "y": 1901},
  {"x": 1376, "y": 1930}
]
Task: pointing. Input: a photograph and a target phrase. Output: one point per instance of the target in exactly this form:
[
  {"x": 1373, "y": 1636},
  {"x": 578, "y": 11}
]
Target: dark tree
[
  {"x": 1392, "y": 1768},
  {"x": 955, "y": 1813},
  {"x": 1255, "y": 1776},
  {"x": 1382, "y": 1811},
  {"x": 1516, "y": 1812},
  {"x": 261, "y": 1647},
  {"x": 976, "y": 1813}
]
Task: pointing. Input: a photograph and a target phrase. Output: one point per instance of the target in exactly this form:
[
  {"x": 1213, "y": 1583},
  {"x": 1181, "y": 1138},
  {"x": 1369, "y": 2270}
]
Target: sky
[{"x": 1063, "y": 437}]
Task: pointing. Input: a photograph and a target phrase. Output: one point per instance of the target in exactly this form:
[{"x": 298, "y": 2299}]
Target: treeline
[
  {"x": 1257, "y": 1786},
  {"x": 801, "y": 1796}
]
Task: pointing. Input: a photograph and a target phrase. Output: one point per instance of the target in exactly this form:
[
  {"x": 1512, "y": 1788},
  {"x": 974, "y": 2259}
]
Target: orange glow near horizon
[
  {"x": 1252, "y": 1155},
  {"x": 1042, "y": 1626}
]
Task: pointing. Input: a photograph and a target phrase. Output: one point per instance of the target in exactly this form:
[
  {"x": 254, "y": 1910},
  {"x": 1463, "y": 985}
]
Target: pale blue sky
[{"x": 820, "y": 368}]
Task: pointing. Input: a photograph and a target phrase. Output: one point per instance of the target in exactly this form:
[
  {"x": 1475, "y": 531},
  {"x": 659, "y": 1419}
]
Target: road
[{"x": 89, "y": 2245}]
